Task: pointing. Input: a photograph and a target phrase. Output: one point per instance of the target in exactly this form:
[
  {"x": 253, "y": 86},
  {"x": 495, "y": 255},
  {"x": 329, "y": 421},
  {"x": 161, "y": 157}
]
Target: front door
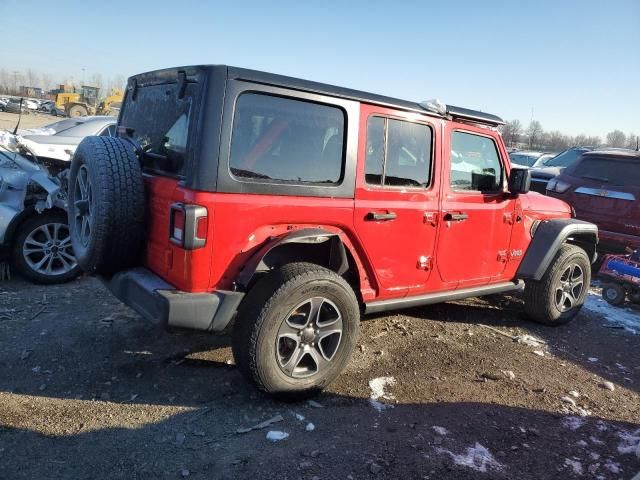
[
  {"x": 396, "y": 202},
  {"x": 477, "y": 213}
]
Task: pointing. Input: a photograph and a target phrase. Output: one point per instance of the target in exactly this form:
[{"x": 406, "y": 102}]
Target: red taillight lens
[
  {"x": 188, "y": 226},
  {"x": 201, "y": 228},
  {"x": 177, "y": 225}
]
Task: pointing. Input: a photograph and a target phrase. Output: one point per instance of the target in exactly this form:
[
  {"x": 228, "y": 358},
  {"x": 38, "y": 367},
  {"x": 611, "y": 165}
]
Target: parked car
[
  {"x": 309, "y": 205},
  {"x": 34, "y": 235},
  {"x": 526, "y": 159},
  {"x": 604, "y": 188},
  {"x": 13, "y": 106},
  {"x": 60, "y": 139},
  {"x": 540, "y": 176}
]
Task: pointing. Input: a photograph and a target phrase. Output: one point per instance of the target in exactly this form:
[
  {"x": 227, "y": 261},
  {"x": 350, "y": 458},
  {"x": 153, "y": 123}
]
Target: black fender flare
[
  {"x": 338, "y": 255},
  {"x": 548, "y": 237}
]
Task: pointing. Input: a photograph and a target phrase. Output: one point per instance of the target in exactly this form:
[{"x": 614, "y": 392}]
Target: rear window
[
  {"x": 161, "y": 123},
  {"x": 286, "y": 140},
  {"x": 565, "y": 158},
  {"x": 608, "y": 170}
]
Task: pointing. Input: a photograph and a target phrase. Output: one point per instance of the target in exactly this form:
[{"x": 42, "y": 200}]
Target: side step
[{"x": 430, "y": 298}]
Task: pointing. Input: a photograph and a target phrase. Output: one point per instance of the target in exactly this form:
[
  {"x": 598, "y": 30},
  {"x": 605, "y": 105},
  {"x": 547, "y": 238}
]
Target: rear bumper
[
  {"x": 160, "y": 303},
  {"x": 616, "y": 242}
]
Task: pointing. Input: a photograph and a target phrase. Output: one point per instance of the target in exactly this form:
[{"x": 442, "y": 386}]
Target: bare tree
[
  {"x": 593, "y": 141},
  {"x": 557, "y": 141},
  {"x": 632, "y": 141},
  {"x": 579, "y": 140},
  {"x": 534, "y": 132},
  {"x": 511, "y": 132},
  {"x": 47, "y": 82},
  {"x": 96, "y": 81},
  {"x": 616, "y": 139},
  {"x": 32, "y": 78},
  {"x": 4, "y": 81}
]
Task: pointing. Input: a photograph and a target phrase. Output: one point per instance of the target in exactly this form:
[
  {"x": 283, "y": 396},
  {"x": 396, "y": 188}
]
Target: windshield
[
  {"x": 524, "y": 159},
  {"x": 565, "y": 158}
]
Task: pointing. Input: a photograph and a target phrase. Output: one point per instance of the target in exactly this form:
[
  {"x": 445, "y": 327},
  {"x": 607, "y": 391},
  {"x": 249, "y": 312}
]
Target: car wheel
[
  {"x": 106, "y": 205},
  {"x": 296, "y": 330},
  {"x": 78, "y": 111},
  {"x": 614, "y": 293},
  {"x": 42, "y": 250},
  {"x": 559, "y": 295}
]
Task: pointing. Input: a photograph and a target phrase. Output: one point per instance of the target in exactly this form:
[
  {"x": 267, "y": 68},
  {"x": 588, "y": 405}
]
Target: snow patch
[
  {"x": 477, "y": 458},
  {"x": 575, "y": 465},
  {"x": 573, "y": 423},
  {"x": 630, "y": 443},
  {"x": 310, "y": 427},
  {"x": 276, "y": 436},
  {"x": 440, "y": 430},
  {"x": 377, "y": 386},
  {"x": 625, "y": 317}
]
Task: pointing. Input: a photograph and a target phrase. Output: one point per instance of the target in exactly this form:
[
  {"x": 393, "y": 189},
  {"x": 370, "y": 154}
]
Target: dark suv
[
  {"x": 283, "y": 209},
  {"x": 540, "y": 176},
  {"x": 604, "y": 188}
]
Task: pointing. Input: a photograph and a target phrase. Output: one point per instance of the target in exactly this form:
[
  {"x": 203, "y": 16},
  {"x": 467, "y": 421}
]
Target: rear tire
[
  {"x": 559, "y": 295},
  {"x": 106, "y": 205},
  {"x": 614, "y": 294},
  {"x": 42, "y": 251},
  {"x": 277, "y": 342}
]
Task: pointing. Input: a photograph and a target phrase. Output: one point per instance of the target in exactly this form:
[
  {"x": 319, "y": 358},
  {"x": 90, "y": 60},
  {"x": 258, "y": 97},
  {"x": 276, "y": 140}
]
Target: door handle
[
  {"x": 381, "y": 217},
  {"x": 455, "y": 217}
]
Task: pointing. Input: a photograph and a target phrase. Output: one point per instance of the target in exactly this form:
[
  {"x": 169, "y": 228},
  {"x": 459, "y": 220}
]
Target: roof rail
[{"x": 436, "y": 106}]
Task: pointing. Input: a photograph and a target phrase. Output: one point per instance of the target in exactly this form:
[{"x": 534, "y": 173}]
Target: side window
[
  {"x": 398, "y": 153},
  {"x": 286, "y": 140},
  {"x": 475, "y": 164}
]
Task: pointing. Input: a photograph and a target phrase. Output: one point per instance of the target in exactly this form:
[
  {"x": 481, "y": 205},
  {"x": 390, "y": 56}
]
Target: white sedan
[{"x": 59, "y": 140}]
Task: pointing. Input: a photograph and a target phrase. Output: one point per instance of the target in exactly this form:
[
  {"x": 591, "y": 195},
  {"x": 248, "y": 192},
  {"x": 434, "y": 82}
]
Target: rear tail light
[
  {"x": 558, "y": 186},
  {"x": 188, "y": 226}
]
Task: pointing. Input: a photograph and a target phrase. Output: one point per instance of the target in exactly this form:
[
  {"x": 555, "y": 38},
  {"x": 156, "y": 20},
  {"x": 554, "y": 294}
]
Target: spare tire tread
[{"x": 118, "y": 225}]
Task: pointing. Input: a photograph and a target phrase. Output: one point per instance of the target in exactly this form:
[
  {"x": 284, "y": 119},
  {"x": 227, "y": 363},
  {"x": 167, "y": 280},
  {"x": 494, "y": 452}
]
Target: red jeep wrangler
[{"x": 285, "y": 209}]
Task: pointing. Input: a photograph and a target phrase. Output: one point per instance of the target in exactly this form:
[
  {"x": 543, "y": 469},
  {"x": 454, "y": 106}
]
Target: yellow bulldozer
[{"x": 85, "y": 102}]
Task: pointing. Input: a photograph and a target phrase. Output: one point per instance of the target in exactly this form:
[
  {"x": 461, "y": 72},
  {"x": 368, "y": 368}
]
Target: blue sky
[{"x": 575, "y": 63}]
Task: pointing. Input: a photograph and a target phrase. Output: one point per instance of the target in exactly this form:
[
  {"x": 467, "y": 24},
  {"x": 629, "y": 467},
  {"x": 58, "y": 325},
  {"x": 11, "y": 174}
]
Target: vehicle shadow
[{"x": 418, "y": 440}]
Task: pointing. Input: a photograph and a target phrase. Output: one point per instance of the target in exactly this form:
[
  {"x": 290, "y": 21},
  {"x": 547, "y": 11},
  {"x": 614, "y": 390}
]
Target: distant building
[{"x": 35, "y": 92}]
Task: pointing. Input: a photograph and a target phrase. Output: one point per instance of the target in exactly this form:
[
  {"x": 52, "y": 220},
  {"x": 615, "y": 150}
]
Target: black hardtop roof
[
  {"x": 623, "y": 154},
  {"x": 170, "y": 75}
]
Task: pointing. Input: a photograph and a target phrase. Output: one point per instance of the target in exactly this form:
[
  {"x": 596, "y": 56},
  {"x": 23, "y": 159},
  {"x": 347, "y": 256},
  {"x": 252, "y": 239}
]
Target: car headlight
[{"x": 558, "y": 186}]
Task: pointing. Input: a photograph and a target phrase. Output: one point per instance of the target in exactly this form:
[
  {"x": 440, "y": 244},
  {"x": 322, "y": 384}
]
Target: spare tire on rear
[{"x": 106, "y": 205}]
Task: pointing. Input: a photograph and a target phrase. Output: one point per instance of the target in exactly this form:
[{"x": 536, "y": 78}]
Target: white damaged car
[{"x": 59, "y": 140}]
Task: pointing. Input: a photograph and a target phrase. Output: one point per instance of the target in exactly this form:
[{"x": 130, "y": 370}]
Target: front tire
[
  {"x": 296, "y": 330},
  {"x": 42, "y": 251},
  {"x": 78, "y": 111},
  {"x": 559, "y": 295}
]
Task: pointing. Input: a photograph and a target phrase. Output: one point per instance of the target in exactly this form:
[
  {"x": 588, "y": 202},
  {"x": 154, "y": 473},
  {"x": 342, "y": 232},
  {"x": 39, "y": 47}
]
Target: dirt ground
[
  {"x": 33, "y": 120},
  {"x": 89, "y": 390}
]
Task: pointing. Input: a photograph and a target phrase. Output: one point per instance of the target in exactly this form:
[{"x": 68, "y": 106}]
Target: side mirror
[{"x": 519, "y": 181}]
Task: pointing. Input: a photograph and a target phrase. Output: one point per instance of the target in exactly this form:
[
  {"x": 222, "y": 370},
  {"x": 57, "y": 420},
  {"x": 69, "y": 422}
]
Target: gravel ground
[
  {"x": 88, "y": 390},
  {"x": 32, "y": 120}
]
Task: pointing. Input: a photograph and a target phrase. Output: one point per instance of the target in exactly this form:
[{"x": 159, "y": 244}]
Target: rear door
[
  {"x": 396, "y": 202},
  {"x": 608, "y": 192},
  {"x": 477, "y": 214}
]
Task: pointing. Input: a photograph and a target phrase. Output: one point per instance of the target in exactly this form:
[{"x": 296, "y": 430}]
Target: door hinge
[
  {"x": 430, "y": 218},
  {"x": 424, "y": 263}
]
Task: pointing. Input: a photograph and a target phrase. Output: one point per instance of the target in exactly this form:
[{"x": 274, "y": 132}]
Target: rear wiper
[{"x": 597, "y": 179}]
